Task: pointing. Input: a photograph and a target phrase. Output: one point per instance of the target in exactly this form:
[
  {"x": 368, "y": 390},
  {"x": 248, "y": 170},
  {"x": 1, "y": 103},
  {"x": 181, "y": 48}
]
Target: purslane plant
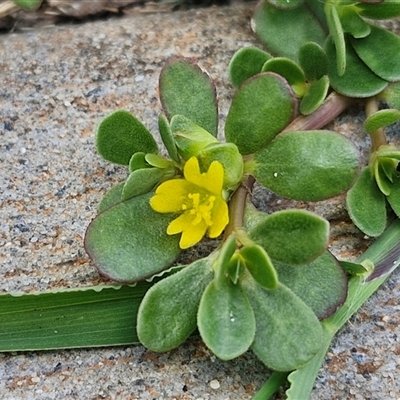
[{"x": 253, "y": 290}]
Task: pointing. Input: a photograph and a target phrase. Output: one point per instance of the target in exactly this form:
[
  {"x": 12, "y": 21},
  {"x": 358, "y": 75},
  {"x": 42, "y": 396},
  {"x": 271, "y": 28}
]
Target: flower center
[{"x": 200, "y": 207}]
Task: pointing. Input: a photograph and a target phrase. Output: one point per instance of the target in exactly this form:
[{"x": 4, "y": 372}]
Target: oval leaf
[
  {"x": 380, "y": 52},
  {"x": 187, "y": 90},
  {"x": 384, "y": 10},
  {"x": 141, "y": 181},
  {"x": 120, "y": 135},
  {"x": 315, "y": 96},
  {"x": 225, "y": 320},
  {"x": 313, "y": 61},
  {"x": 112, "y": 197},
  {"x": 321, "y": 284},
  {"x": 394, "y": 196},
  {"x": 381, "y": 119},
  {"x": 245, "y": 63},
  {"x": 260, "y": 266},
  {"x": 167, "y": 138},
  {"x": 128, "y": 242},
  {"x": 366, "y": 204},
  {"x": 284, "y": 31},
  {"x": 292, "y": 236},
  {"x": 168, "y": 312},
  {"x": 307, "y": 165},
  {"x": 262, "y": 107},
  {"x": 288, "y": 333},
  {"x": 358, "y": 80}
]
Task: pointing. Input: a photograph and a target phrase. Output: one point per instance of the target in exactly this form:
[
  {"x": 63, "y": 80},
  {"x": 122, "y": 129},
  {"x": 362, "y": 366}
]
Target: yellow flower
[{"x": 199, "y": 198}]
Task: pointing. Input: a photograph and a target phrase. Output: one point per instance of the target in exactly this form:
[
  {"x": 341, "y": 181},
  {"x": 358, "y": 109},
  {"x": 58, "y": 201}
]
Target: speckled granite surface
[{"x": 56, "y": 84}]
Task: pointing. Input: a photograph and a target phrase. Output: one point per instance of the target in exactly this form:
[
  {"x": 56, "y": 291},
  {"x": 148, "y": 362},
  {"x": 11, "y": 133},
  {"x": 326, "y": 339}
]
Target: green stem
[{"x": 378, "y": 137}]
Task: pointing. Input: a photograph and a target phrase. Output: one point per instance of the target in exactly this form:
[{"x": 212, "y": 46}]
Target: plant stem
[
  {"x": 274, "y": 382},
  {"x": 334, "y": 105},
  {"x": 378, "y": 137},
  {"x": 237, "y": 205}
]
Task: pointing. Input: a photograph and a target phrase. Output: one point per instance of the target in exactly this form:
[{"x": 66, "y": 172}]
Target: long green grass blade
[
  {"x": 87, "y": 317},
  {"x": 385, "y": 254}
]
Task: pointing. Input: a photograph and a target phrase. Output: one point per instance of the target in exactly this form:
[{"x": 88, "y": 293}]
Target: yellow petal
[
  {"x": 191, "y": 170},
  {"x": 220, "y": 218},
  {"x": 171, "y": 195},
  {"x": 191, "y": 234},
  {"x": 214, "y": 178}
]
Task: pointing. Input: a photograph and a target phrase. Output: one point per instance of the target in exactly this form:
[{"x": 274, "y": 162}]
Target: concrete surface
[{"x": 56, "y": 85}]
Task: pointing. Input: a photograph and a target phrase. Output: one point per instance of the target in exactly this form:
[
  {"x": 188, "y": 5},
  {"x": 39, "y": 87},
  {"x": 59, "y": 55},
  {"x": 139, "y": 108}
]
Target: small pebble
[{"x": 214, "y": 384}]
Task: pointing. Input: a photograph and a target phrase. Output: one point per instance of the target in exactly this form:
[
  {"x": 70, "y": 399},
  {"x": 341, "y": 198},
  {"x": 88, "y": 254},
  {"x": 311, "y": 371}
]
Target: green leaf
[
  {"x": 245, "y": 63},
  {"x": 128, "y": 242},
  {"x": 168, "y": 312},
  {"x": 120, "y": 135},
  {"x": 337, "y": 36},
  {"x": 28, "y": 4},
  {"x": 307, "y": 165},
  {"x": 288, "y": 334},
  {"x": 225, "y": 320},
  {"x": 353, "y": 23},
  {"x": 289, "y": 70},
  {"x": 380, "y": 52},
  {"x": 138, "y": 161},
  {"x": 187, "y": 90},
  {"x": 314, "y": 96},
  {"x": 366, "y": 204},
  {"x": 313, "y": 61},
  {"x": 230, "y": 158},
  {"x": 141, "y": 181},
  {"x": 394, "y": 196},
  {"x": 358, "y": 80},
  {"x": 321, "y": 284},
  {"x": 112, "y": 197},
  {"x": 292, "y": 236},
  {"x": 189, "y": 137},
  {"x": 381, "y": 119},
  {"x": 260, "y": 266},
  {"x": 167, "y": 138},
  {"x": 284, "y": 31},
  {"x": 261, "y": 108},
  {"x": 85, "y": 317},
  {"x": 391, "y": 95},
  {"x": 385, "y": 10}
]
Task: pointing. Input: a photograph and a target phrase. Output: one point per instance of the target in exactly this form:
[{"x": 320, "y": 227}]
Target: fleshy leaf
[
  {"x": 112, "y": 197},
  {"x": 383, "y": 60},
  {"x": 394, "y": 196},
  {"x": 307, "y": 165},
  {"x": 313, "y": 61},
  {"x": 245, "y": 63},
  {"x": 168, "y": 312},
  {"x": 128, "y": 242},
  {"x": 337, "y": 36},
  {"x": 358, "y": 80},
  {"x": 167, "y": 138},
  {"x": 141, "y": 181},
  {"x": 138, "y": 161},
  {"x": 187, "y": 90},
  {"x": 190, "y": 138},
  {"x": 292, "y": 236},
  {"x": 120, "y": 135},
  {"x": 279, "y": 313},
  {"x": 260, "y": 266},
  {"x": 381, "y": 119},
  {"x": 230, "y": 158},
  {"x": 28, "y": 4},
  {"x": 261, "y": 108},
  {"x": 391, "y": 95},
  {"x": 225, "y": 320},
  {"x": 353, "y": 23},
  {"x": 321, "y": 284},
  {"x": 366, "y": 204},
  {"x": 384, "y": 10},
  {"x": 314, "y": 96},
  {"x": 284, "y": 31}
]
